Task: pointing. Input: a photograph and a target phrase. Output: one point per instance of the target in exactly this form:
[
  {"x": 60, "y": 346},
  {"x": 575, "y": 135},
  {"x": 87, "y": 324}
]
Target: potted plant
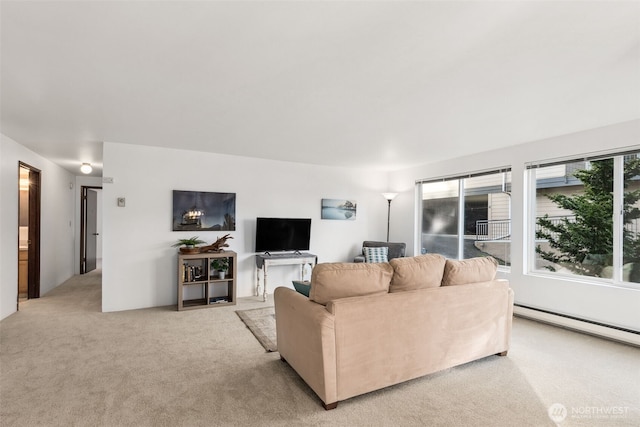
[
  {"x": 188, "y": 246},
  {"x": 221, "y": 265}
]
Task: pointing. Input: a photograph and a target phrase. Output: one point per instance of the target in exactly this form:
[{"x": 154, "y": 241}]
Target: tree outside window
[{"x": 575, "y": 224}]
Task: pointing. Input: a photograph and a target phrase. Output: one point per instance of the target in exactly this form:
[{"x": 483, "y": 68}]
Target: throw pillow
[
  {"x": 418, "y": 272},
  {"x": 373, "y": 254},
  {"x": 302, "y": 286},
  {"x": 344, "y": 279},
  {"x": 473, "y": 270}
]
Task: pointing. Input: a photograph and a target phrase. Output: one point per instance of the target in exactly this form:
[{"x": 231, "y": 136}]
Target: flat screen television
[{"x": 282, "y": 234}]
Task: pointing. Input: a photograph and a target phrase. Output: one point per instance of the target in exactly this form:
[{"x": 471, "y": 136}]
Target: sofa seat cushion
[
  {"x": 331, "y": 281},
  {"x": 418, "y": 272},
  {"x": 473, "y": 270}
]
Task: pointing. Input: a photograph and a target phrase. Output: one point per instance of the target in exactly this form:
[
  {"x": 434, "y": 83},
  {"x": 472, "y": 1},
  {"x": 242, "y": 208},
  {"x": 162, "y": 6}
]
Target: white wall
[
  {"x": 596, "y": 302},
  {"x": 139, "y": 264},
  {"x": 57, "y": 223}
]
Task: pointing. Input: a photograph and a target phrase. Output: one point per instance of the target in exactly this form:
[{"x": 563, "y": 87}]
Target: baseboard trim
[{"x": 616, "y": 334}]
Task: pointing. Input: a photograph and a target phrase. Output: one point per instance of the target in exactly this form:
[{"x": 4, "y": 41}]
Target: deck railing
[
  {"x": 500, "y": 229},
  {"x": 493, "y": 229}
]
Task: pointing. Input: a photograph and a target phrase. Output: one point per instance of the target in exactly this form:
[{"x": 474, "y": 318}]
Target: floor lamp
[{"x": 389, "y": 197}]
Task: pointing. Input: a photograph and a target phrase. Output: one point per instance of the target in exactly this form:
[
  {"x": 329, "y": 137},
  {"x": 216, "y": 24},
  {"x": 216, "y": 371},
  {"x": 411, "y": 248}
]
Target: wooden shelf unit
[{"x": 199, "y": 285}]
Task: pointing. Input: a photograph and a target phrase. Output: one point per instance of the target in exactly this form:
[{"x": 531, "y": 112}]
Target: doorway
[
  {"x": 90, "y": 239},
  {"x": 28, "y": 232}
]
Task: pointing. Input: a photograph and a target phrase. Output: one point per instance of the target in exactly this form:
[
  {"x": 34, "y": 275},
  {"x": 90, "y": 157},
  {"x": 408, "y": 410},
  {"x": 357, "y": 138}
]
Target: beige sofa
[{"x": 369, "y": 326}]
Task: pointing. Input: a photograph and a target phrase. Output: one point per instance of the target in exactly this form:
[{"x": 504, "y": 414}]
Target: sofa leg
[
  {"x": 330, "y": 406},
  {"x": 504, "y": 353},
  {"x": 284, "y": 360}
]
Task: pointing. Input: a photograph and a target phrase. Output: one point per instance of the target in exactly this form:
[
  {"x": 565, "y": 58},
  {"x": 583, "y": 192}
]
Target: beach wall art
[{"x": 339, "y": 209}]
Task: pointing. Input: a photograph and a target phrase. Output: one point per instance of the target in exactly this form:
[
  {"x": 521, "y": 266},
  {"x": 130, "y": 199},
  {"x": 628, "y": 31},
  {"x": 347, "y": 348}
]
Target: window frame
[
  {"x": 530, "y": 211},
  {"x": 419, "y": 194}
]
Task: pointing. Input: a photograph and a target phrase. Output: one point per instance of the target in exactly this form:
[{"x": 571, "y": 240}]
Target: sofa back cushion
[
  {"x": 331, "y": 281},
  {"x": 473, "y": 270},
  {"x": 418, "y": 272}
]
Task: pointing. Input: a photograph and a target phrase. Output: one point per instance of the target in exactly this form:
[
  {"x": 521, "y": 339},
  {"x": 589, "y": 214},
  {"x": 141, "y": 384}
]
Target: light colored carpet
[
  {"x": 262, "y": 324},
  {"x": 63, "y": 363}
]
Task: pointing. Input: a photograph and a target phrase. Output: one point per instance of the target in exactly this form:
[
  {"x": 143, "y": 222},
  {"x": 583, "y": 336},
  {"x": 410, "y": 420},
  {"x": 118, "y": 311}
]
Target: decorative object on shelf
[
  {"x": 217, "y": 245},
  {"x": 192, "y": 273},
  {"x": 389, "y": 197},
  {"x": 188, "y": 246},
  {"x": 338, "y": 209},
  {"x": 221, "y": 265},
  {"x": 200, "y": 210}
]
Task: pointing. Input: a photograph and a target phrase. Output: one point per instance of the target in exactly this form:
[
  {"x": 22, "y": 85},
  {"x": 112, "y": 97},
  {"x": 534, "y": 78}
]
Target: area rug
[{"x": 262, "y": 323}]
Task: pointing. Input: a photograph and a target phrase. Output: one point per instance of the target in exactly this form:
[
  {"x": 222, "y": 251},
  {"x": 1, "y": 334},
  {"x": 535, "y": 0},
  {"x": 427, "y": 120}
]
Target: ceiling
[{"x": 377, "y": 85}]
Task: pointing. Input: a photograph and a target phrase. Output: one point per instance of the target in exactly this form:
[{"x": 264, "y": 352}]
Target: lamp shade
[{"x": 389, "y": 196}]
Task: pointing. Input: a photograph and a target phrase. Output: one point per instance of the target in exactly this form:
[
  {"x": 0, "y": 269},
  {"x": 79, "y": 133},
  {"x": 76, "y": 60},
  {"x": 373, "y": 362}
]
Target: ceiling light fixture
[{"x": 86, "y": 168}]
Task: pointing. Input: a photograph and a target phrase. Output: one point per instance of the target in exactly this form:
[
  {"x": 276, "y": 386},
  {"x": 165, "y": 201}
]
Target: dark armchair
[{"x": 396, "y": 250}]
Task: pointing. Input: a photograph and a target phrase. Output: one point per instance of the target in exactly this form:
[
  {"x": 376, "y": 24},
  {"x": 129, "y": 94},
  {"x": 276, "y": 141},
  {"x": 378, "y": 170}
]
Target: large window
[
  {"x": 467, "y": 216},
  {"x": 577, "y": 231}
]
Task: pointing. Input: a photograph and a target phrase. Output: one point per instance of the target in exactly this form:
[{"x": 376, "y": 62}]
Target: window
[
  {"x": 576, "y": 229},
  {"x": 467, "y": 216},
  {"x": 631, "y": 215}
]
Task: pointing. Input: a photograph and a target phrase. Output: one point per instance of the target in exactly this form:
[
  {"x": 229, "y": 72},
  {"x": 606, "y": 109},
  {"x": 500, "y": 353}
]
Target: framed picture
[
  {"x": 203, "y": 211},
  {"x": 338, "y": 209}
]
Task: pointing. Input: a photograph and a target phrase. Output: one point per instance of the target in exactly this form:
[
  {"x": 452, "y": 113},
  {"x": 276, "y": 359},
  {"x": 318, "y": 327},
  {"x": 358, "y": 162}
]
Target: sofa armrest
[{"x": 306, "y": 340}]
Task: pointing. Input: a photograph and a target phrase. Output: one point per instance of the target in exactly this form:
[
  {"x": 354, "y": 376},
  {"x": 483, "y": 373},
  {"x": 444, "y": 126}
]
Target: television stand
[
  {"x": 266, "y": 260},
  {"x": 296, "y": 252}
]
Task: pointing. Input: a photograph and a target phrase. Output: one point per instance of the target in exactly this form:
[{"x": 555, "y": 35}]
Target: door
[
  {"x": 89, "y": 229},
  {"x": 29, "y": 232},
  {"x": 34, "y": 234},
  {"x": 23, "y": 235},
  {"x": 92, "y": 230}
]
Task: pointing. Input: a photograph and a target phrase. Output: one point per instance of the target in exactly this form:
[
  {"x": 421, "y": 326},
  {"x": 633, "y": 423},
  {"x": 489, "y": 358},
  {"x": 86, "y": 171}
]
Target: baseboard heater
[{"x": 615, "y": 333}]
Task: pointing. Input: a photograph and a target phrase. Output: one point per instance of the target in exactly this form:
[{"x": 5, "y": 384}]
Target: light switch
[{"x": 121, "y": 202}]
